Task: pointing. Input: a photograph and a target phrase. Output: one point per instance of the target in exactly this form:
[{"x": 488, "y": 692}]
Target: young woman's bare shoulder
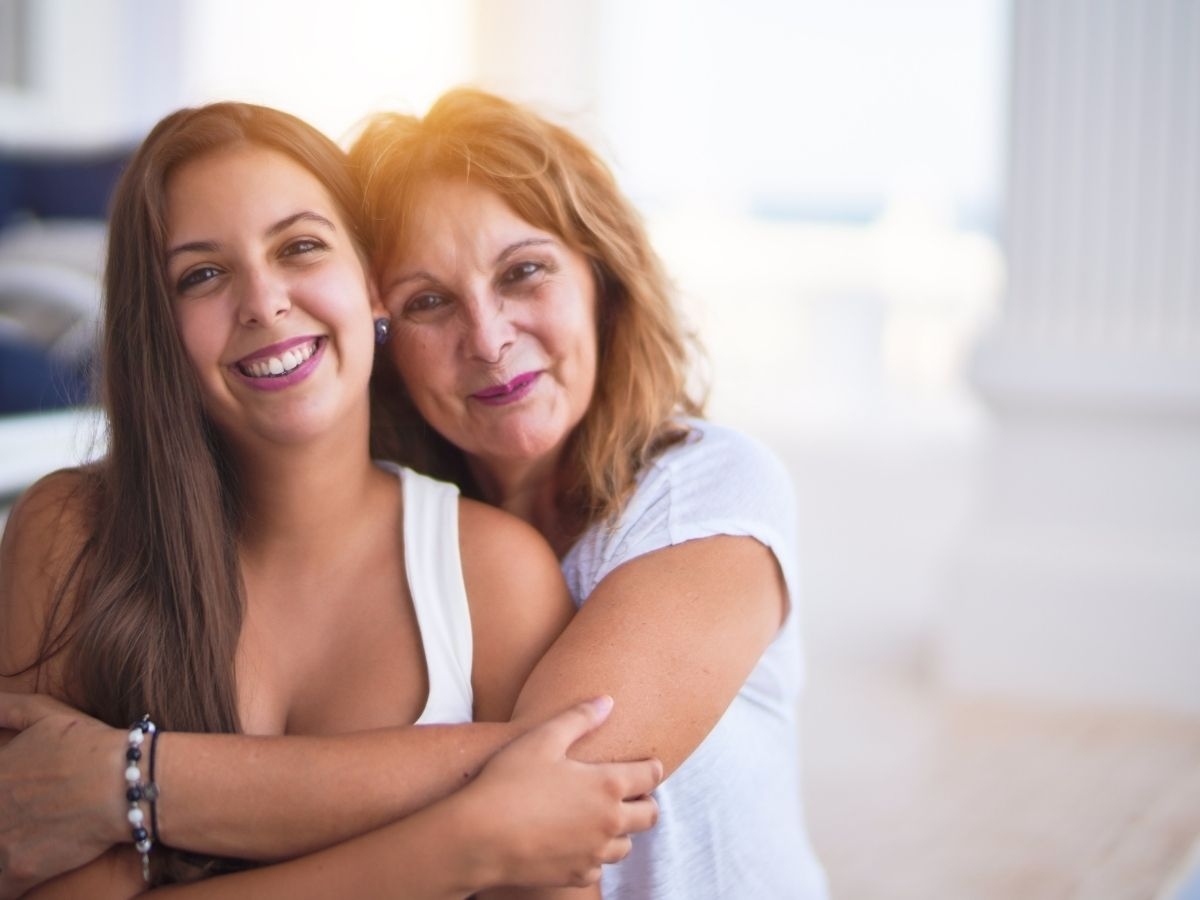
[
  {"x": 508, "y": 558},
  {"x": 43, "y": 537},
  {"x": 487, "y": 534},
  {"x": 518, "y": 600}
]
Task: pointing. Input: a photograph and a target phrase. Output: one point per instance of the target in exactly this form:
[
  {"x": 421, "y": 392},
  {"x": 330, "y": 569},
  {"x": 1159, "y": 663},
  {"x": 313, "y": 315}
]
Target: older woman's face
[{"x": 494, "y": 327}]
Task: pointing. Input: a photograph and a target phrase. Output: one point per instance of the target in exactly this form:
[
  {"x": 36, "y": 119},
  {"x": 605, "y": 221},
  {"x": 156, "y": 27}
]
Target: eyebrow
[
  {"x": 306, "y": 215},
  {"x": 510, "y": 250}
]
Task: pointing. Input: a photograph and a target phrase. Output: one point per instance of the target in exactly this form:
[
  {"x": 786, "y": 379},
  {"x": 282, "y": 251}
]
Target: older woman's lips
[{"x": 503, "y": 394}]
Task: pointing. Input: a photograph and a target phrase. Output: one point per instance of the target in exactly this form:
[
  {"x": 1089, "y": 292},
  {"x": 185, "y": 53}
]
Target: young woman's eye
[
  {"x": 195, "y": 277},
  {"x": 522, "y": 271}
]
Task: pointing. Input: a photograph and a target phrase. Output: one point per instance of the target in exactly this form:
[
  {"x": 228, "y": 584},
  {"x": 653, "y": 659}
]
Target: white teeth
[{"x": 279, "y": 365}]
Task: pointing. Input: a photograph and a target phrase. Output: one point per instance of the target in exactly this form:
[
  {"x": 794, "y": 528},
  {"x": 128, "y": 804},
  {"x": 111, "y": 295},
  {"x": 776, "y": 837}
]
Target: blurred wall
[{"x": 1078, "y": 573}]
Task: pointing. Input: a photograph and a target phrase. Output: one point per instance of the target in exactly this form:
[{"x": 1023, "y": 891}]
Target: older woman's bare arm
[{"x": 672, "y": 635}]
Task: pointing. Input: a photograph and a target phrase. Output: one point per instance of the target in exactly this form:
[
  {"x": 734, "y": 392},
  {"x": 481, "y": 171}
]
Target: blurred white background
[{"x": 943, "y": 255}]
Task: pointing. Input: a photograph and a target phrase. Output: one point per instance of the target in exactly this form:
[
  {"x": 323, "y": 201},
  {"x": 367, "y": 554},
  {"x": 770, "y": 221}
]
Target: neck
[
  {"x": 297, "y": 496},
  {"x": 530, "y": 491}
]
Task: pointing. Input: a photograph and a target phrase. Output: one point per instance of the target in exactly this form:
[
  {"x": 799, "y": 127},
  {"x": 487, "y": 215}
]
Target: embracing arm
[
  {"x": 671, "y": 635},
  {"x": 61, "y": 791},
  {"x": 507, "y": 824},
  {"x": 423, "y": 853}
]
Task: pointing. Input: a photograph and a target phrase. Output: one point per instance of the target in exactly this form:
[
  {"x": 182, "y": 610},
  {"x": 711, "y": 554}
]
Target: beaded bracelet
[{"x": 137, "y": 790}]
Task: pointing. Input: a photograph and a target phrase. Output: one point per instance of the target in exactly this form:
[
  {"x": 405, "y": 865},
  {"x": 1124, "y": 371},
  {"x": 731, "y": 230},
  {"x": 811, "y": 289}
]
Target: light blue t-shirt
[{"x": 731, "y": 822}]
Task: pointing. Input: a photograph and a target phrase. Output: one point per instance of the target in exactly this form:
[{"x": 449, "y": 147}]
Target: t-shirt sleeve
[{"x": 719, "y": 482}]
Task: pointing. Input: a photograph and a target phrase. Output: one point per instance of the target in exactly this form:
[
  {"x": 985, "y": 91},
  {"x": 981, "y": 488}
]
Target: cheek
[
  {"x": 340, "y": 300},
  {"x": 422, "y": 363},
  {"x": 581, "y": 330},
  {"x": 201, "y": 335}
]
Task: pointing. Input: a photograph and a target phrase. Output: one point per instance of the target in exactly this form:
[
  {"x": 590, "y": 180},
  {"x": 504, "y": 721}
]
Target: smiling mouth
[
  {"x": 503, "y": 390},
  {"x": 283, "y": 364}
]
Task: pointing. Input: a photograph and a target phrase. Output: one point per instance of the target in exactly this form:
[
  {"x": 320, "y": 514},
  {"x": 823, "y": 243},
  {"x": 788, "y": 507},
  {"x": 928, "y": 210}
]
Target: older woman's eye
[
  {"x": 424, "y": 303},
  {"x": 521, "y": 272},
  {"x": 303, "y": 245}
]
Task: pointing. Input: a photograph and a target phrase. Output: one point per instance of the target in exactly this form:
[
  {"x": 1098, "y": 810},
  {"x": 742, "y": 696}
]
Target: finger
[
  {"x": 19, "y": 711},
  {"x": 617, "y": 849},
  {"x": 638, "y": 777},
  {"x": 586, "y": 877},
  {"x": 638, "y": 815},
  {"x": 568, "y": 727}
]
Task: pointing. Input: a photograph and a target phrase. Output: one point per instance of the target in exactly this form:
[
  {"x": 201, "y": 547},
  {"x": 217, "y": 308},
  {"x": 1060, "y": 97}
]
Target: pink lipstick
[
  {"x": 280, "y": 365},
  {"x": 503, "y": 394}
]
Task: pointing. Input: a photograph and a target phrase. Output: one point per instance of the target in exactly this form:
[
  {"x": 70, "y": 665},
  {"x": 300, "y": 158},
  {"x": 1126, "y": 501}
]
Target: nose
[
  {"x": 262, "y": 298},
  {"x": 489, "y": 331}
]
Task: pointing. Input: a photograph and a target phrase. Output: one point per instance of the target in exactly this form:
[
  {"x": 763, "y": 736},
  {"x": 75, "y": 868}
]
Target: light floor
[{"x": 916, "y": 795}]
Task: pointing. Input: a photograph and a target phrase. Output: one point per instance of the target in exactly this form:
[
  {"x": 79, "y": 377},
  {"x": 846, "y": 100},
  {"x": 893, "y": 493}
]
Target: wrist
[
  {"x": 112, "y": 826},
  {"x": 483, "y": 862}
]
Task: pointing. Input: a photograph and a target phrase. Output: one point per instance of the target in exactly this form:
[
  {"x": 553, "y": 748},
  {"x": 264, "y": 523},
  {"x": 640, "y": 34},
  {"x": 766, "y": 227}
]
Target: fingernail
[{"x": 602, "y": 705}]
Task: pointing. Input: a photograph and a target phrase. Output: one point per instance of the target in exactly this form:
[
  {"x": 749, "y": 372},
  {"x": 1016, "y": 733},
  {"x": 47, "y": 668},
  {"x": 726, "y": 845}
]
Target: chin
[{"x": 527, "y": 444}]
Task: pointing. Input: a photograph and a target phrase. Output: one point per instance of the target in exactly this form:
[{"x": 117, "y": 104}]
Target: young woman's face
[
  {"x": 494, "y": 326},
  {"x": 270, "y": 296}
]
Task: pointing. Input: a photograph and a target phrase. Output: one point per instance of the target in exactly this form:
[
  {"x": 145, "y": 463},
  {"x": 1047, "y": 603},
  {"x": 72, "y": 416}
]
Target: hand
[
  {"x": 552, "y": 820},
  {"x": 61, "y": 790}
]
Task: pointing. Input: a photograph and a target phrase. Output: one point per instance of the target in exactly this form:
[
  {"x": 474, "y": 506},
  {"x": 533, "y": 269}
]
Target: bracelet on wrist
[{"x": 138, "y": 791}]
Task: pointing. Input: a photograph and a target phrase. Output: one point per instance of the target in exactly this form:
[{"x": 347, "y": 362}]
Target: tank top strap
[{"x": 433, "y": 563}]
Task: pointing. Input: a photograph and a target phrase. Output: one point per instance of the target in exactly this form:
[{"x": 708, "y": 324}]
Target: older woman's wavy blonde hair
[{"x": 554, "y": 181}]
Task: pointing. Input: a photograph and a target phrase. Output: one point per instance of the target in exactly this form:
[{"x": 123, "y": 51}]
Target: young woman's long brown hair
[
  {"x": 554, "y": 181},
  {"x": 153, "y": 604}
]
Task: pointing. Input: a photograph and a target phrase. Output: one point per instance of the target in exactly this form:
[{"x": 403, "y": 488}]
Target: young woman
[
  {"x": 237, "y": 562},
  {"x": 539, "y": 363}
]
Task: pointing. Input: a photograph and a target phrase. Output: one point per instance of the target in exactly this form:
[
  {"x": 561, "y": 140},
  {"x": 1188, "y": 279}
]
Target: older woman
[{"x": 539, "y": 364}]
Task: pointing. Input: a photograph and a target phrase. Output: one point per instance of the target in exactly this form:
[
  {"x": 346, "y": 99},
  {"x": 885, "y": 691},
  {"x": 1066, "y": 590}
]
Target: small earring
[{"x": 383, "y": 329}]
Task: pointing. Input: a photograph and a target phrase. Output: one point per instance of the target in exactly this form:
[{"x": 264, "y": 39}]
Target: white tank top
[{"x": 435, "y": 581}]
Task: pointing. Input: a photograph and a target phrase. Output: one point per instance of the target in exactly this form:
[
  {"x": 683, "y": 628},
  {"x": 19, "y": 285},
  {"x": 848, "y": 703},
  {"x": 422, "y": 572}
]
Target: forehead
[
  {"x": 241, "y": 185},
  {"x": 455, "y": 214}
]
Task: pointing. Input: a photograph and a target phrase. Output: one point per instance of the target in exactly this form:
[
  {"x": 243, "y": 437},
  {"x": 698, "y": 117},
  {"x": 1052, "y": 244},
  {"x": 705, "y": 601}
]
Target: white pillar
[{"x": 1078, "y": 577}]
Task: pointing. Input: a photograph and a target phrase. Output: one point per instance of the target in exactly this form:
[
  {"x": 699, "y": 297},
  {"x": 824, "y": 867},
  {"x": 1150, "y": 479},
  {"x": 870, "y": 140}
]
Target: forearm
[
  {"x": 532, "y": 816},
  {"x": 266, "y": 798},
  {"x": 469, "y": 842},
  {"x": 439, "y": 853},
  {"x": 431, "y": 855}
]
